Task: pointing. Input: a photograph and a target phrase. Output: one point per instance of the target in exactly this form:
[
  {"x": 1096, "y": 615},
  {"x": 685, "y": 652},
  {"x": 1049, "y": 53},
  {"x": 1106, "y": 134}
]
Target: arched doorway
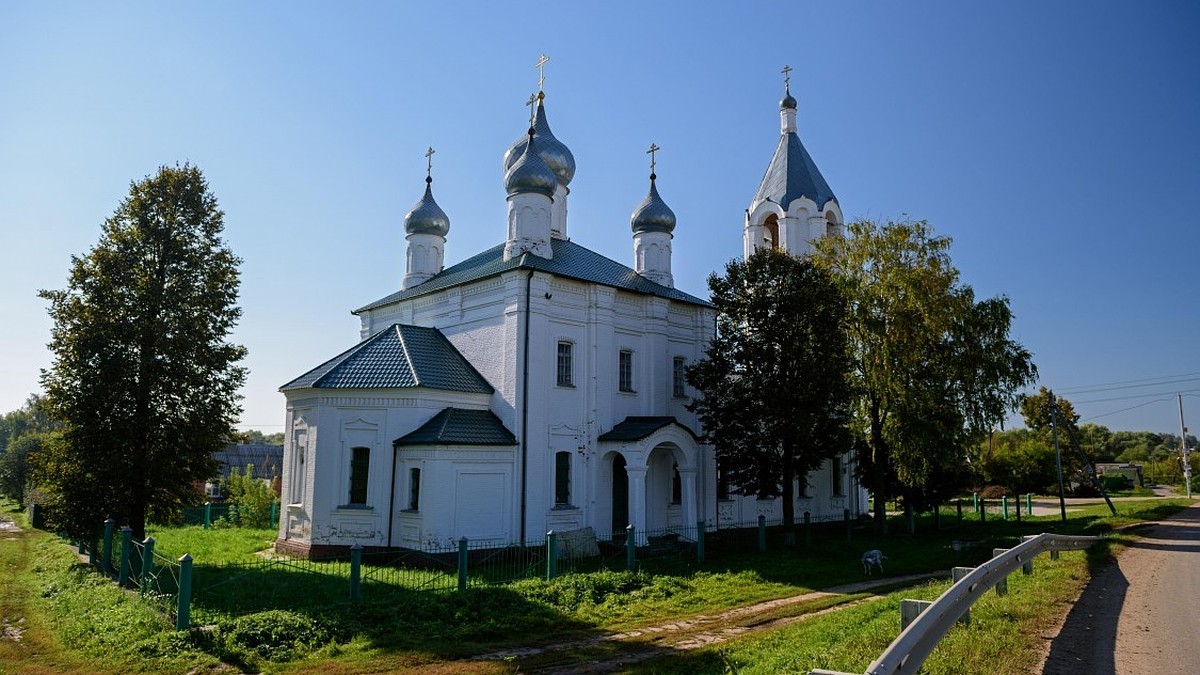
[{"x": 620, "y": 496}]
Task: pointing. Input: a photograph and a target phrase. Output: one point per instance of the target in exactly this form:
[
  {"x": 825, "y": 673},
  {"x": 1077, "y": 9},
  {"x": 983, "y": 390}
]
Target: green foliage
[
  {"x": 275, "y": 635},
  {"x": 256, "y": 437},
  {"x": 934, "y": 368},
  {"x": 23, "y": 433},
  {"x": 774, "y": 386},
  {"x": 1020, "y": 460},
  {"x": 143, "y": 377},
  {"x": 250, "y": 498}
]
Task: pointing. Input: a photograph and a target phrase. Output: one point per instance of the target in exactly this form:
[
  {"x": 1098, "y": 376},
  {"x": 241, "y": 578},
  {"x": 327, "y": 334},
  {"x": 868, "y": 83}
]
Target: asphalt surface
[{"x": 1140, "y": 614}]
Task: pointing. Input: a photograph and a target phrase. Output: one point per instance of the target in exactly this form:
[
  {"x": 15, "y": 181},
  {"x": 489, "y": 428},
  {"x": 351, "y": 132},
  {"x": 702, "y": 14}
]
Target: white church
[{"x": 536, "y": 385}]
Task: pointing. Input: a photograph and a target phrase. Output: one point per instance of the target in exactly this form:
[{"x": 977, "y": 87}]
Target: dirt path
[
  {"x": 699, "y": 631},
  {"x": 1138, "y": 616}
]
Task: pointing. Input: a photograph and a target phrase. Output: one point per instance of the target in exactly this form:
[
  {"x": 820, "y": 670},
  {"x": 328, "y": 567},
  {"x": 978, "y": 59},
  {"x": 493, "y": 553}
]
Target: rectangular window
[
  {"x": 360, "y": 465},
  {"x": 722, "y": 484},
  {"x": 625, "y": 370},
  {"x": 414, "y": 489},
  {"x": 566, "y": 365},
  {"x": 562, "y": 479},
  {"x": 836, "y": 470},
  {"x": 678, "y": 377},
  {"x": 802, "y": 488}
]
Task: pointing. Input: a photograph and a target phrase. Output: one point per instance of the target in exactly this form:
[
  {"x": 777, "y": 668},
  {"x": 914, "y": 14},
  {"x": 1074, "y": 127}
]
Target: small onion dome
[
  {"x": 550, "y": 149},
  {"x": 788, "y": 102},
  {"x": 530, "y": 173},
  {"x": 653, "y": 214},
  {"x": 427, "y": 217}
]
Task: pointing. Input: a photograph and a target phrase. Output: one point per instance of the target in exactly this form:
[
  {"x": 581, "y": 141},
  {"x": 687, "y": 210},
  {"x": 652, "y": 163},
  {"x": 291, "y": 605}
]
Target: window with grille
[
  {"x": 678, "y": 377},
  {"x": 625, "y": 370},
  {"x": 562, "y": 479},
  {"x": 676, "y": 486},
  {"x": 566, "y": 364},
  {"x": 360, "y": 466}
]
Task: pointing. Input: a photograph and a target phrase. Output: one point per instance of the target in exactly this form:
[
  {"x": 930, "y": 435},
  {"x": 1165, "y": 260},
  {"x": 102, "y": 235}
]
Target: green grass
[
  {"x": 213, "y": 547},
  {"x": 409, "y": 629}
]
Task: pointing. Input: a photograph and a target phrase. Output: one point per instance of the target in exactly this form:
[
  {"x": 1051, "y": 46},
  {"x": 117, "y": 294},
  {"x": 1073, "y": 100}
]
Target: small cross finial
[
  {"x": 532, "y": 102},
  {"x": 429, "y": 162},
  {"x": 540, "y": 65},
  {"x": 787, "y": 77},
  {"x": 653, "y": 149}
]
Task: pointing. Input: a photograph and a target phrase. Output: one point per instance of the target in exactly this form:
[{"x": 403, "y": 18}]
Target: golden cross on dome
[
  {"x": 540, "y": 65},
  {"x": 787, "y": 77},
  {"x": 653, "y": 149},
  {"x": 429, "y": 161}
]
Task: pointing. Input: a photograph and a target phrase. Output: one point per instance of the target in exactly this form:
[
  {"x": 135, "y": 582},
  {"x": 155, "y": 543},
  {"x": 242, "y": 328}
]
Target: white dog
[{"x": 873, "y": 558}]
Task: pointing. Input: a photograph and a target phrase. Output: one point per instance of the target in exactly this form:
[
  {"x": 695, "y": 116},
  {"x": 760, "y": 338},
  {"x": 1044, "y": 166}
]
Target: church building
[{"x": 536, "y": 385}]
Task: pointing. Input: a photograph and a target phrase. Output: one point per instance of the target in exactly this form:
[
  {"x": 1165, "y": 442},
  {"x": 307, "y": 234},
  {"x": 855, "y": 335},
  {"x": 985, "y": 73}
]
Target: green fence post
[
  {"x": 462, "y": 564},
  {"x": 92, "y": 546},
  {"x": 551, "y": 555},
  {"x": 982, "y": 510},
  {"x": 630, "y": 552},
  {"x": 275, "y": 514},
  {"x": 958, "y": 506},
  {"x": 126, "y": 551},
  {"x": 355, "y": 571},
  {"x": 807, "y": 529},
  {"x": 1018, "y": 503},
  {"x": 1004, "y": 506},
  {"x": 146, "y": 574},
  {"x": 106, "y": 554},
  {"x": 849, "y": 526},
  {"x": 207, "y": 515},
  {"x": 762, "y": 533},
  {"x": 183, "y": 606},
  {"x": 975, "y": 496},
  {"x": 910, "y": 519},
  {"x": 700, "y": 541},
  {"x": 1029, "y": 502}
]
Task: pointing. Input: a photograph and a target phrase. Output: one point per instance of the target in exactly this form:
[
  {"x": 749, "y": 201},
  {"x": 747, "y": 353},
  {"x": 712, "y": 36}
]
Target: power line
[
  {"x": 1134, "y": 396},
  {"x": 1135, "y": 407},
  {"x": 1098, "y": 389},
  {"x": 1076, "y": 389}
]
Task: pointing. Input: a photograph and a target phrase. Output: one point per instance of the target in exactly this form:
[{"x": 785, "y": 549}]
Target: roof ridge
[
  {"x": 342, "y": 358},
  {"x": 407, "y": 353}
]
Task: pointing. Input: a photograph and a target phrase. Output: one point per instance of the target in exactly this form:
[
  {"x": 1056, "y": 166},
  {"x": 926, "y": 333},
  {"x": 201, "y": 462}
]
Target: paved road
[{"x": 1140, "y": 615}]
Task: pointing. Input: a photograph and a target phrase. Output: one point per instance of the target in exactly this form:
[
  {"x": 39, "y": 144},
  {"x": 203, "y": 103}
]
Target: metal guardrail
[{"x": 908, "y": 651}]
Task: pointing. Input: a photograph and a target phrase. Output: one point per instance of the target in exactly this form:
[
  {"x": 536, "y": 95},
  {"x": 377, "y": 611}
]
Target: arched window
[{"x": 772, "y": 226}]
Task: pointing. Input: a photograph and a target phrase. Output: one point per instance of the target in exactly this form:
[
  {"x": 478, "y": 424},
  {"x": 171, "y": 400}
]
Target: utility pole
[
  {"x": 1183, "y": 449},
  {"x": 1062, "y": 499}
]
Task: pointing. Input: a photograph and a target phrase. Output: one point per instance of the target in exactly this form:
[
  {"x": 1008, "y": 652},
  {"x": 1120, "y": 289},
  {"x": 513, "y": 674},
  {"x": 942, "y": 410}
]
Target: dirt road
[{"x": 1140, "y": 614}]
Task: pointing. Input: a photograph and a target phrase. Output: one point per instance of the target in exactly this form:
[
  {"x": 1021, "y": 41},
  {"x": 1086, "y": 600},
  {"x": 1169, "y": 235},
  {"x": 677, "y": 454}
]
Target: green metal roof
[
  {"x": 636, "y": 428},
  {"x": 570, "y": 260},
  {"x": 456, "y": 426},
  {"x": 397, "y": 357}
]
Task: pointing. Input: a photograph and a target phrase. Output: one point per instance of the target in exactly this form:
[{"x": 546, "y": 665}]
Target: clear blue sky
[{"x": 1058, "y": 143}]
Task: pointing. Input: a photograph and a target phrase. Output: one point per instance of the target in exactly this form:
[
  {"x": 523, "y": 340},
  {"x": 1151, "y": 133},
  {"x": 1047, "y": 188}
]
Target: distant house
[
  {"x": 267, "y": 461},
  {"x": 1131, "y": 471}
]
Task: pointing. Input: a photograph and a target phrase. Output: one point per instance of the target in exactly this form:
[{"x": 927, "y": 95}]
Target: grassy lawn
[{"x": 292, "y": 618}]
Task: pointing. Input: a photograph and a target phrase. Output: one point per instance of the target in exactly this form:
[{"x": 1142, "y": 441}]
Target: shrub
[
  {"x": 250, "y": 499},
  {"x": 277, "y": 635}
]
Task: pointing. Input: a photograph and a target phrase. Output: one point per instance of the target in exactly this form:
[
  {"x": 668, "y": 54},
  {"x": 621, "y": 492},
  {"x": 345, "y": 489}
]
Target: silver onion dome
[
  {"x": 653, "y": 214},
  {"x": 426, "y": 217},
  {"x": 788, "y": 102},
  {"x": 530, "y": 173},
  {"x": 553, "y": 152}
]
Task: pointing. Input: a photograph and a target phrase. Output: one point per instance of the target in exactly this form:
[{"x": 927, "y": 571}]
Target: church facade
[{"x": 536, "y": 385}]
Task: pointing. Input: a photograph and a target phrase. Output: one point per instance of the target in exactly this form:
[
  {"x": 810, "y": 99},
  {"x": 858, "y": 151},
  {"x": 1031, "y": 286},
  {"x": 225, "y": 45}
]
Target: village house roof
[
  {"x": 397, "y": 357},
  {"x": 267, "y": 459},
  {"x": 458, "y": 426},
  {"x": 570, "y": 260}
]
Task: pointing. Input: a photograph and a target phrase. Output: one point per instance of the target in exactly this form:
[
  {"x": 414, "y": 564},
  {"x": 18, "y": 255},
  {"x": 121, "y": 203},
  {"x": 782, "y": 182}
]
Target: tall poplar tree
[
  {"x": 934, "y": 369},
  {"x": 144, "y": 378},
  {"x": 774, "y": 388}
]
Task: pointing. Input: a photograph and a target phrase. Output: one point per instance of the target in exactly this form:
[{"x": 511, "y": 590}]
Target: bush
[
  {"x": 250, "y": 499},
  {"x": 276, "y": 635},
  {"x": 995, "y": 492}
]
